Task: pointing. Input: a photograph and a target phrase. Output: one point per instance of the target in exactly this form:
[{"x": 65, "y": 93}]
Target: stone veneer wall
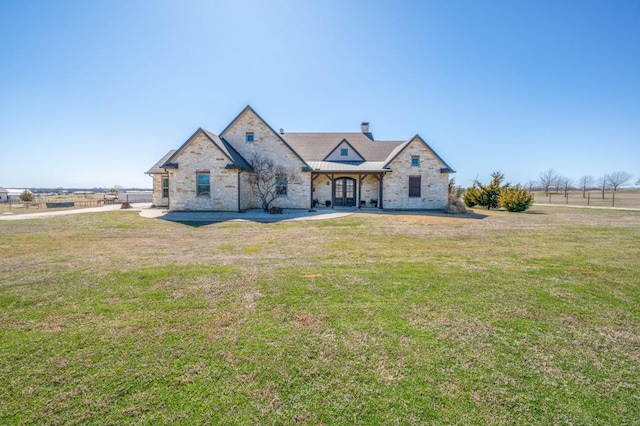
[
  {"x": 322, "y": 191},
  {"x": 158, "y": 200},
  {"x": 370, "y": 189},
  {"x": 246, "y": 193},
  {"x": 202, "y": 155},
  {"x": 434, "y": 184},
  {"x": 267, "y": 143}
]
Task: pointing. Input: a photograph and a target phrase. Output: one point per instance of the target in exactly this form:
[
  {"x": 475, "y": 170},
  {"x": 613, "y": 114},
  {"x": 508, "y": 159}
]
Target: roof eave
[{"x": 237, "y": 167}]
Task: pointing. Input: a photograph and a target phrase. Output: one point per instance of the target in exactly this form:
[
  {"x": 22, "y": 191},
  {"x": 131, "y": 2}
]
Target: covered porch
[{"x": 347, "y": 189}]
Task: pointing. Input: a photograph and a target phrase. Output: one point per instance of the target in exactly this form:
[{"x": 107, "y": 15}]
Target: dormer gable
[{"x": 344, "y": 151}]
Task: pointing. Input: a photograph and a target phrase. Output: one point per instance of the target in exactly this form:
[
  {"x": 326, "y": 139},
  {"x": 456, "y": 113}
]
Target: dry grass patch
[{"x": 493, "y": 318}]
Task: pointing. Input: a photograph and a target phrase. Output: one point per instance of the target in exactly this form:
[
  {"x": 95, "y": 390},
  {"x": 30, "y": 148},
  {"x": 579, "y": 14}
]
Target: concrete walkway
[
  {"x": 56, "y": 213},
  {"x": 205, "y": 217},
  {"x": 256, "y": 215}
]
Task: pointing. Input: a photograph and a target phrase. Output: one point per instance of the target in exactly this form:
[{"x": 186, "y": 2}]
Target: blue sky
[{"x": 92, "y": 93}]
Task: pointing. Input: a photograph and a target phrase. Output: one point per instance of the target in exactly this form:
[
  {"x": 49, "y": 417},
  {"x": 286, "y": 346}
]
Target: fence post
[
  {"x": 613, "y": 198},
  {"x": 549, "y": 198},
  {"x": 588, "y": 197}
]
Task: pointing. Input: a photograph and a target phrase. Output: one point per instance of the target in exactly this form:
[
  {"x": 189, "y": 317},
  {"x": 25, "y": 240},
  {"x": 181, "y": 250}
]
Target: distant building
[
  {"x": 4, "y": 195},
  {"x": 135, "y": 196},
  {"x": 14, "y": 194}
]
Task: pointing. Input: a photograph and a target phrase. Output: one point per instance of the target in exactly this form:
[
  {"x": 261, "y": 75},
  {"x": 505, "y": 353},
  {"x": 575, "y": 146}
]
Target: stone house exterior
[{"x": 210, "y": 172}]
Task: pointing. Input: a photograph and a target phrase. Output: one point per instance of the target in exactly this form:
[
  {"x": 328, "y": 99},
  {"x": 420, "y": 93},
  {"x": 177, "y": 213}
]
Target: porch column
[
  {"x": 313, "y": 178},
  {"x": 360, "y": 178},
  {"x": 380, "y": 191}
]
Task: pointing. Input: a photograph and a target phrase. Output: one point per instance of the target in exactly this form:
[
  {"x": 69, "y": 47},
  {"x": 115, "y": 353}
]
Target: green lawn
[{"x": 371, "y": 319}]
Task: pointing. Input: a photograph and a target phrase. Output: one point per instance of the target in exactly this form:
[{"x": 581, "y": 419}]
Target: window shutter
[{"x": 414, "y": 186}]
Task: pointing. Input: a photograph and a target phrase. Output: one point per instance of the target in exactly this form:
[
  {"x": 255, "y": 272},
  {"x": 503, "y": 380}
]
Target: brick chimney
[{"x": 364, "y": 126}]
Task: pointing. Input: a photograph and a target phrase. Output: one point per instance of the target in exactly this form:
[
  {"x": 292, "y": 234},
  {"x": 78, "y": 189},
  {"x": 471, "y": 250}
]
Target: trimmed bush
[
  {"x": 515, "y": 198},
  {"x": 485, "y": 195},
  {"x": 470, "y": 197}
]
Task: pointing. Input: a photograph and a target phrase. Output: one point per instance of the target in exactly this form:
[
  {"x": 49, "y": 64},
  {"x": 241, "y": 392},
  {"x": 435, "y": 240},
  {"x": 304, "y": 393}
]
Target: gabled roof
[
  {"x": 3, "y": 190},
  {"x": 157, "y": 168},
  {"x": 393, "y": 155},
  {"x": 236, "y": 161},
  {"x": 343, "y": 141},
  {"x": 312, "y": 149},
  {"x": 224, "y": 146},
  {"x": 248, "y": 108},
  {"x": 317, "y": 146}
]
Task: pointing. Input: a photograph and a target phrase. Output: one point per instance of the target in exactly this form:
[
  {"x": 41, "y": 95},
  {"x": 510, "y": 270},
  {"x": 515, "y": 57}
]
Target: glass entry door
[{"x": 345, "y": 192}]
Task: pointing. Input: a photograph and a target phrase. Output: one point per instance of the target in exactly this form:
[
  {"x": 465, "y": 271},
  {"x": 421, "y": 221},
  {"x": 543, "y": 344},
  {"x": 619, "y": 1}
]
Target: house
[
  {"x": 135, "y": 196},
  {"x": 13, "y": 194},
  {"x": 4, "y": 195},
  {"x": 210, "y": 171}
]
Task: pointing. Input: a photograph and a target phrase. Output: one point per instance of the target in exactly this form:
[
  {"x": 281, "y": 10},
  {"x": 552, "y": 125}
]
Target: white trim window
[
  {"x": 203, "y": 184},
  {"x": 281, "y": 186},
  {"x": 165, "y": 187}
]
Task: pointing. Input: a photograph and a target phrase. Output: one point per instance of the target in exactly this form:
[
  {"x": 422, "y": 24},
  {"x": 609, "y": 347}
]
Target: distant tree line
[
  {"x": 551, "y": 181},
  {"x": 99, "y": 190}
]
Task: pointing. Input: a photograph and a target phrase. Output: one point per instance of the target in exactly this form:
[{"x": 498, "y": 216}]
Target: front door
[{"x": 345, "y": 192}]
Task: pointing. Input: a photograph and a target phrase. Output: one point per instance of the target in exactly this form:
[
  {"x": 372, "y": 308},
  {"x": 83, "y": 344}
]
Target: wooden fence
[
  {"x": 624, "y": 198},
  {"x": 13, "y": 205}
]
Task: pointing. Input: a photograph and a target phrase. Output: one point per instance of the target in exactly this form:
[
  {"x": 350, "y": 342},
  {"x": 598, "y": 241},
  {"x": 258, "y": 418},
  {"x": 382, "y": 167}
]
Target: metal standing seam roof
[{"x": 349, "y": 167}]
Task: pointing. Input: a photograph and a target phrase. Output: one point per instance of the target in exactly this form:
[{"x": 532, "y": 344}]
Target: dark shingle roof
[
  {"x": 228, "y": 150},
  {"x": 235, "y": 159},
  {"x": 157, "y": 168},
  {"x": 316, "y": 146}
]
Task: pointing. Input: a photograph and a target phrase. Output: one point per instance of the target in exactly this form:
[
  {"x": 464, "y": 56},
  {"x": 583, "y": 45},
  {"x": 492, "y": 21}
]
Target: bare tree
[
  {"x": 548, "y": 180},
  {"x": 585, "y": 182},
  {"x": 270, "y": 180},
  {"x": 530, "y": 185},
  {"x": 603, "y": 183},
  {"x": 638, "y": 181},
  {"x": 617, "y": 179},
  {"x": 566, "y": 184}
]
